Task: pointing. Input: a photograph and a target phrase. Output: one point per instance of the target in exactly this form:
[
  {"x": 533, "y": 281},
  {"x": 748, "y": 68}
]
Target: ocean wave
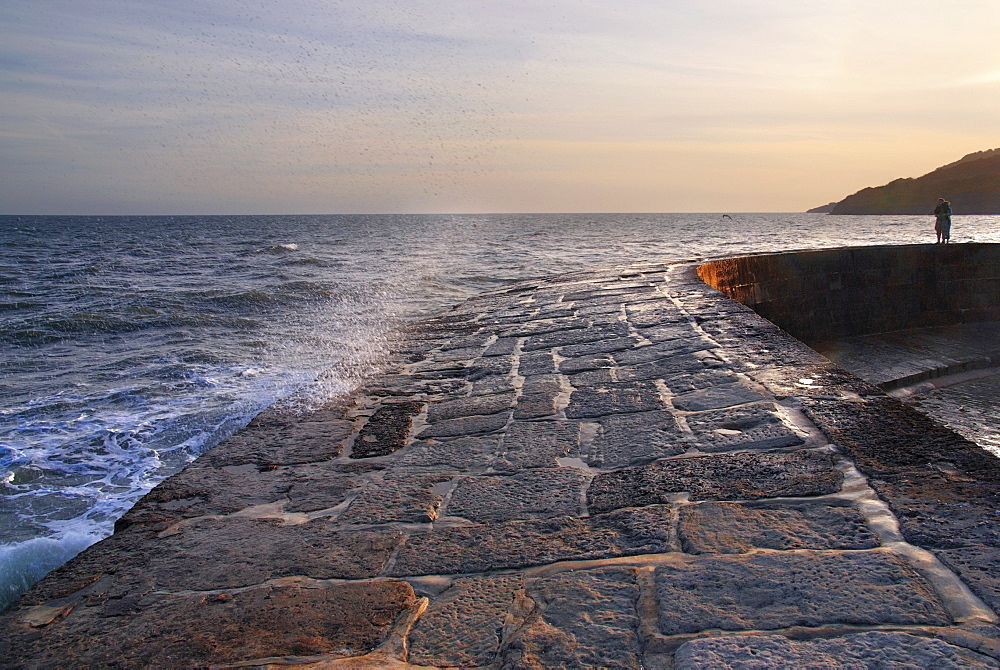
[
  {"x": 310, "y": 260},
  {"x": 19, "y": 304},
  {"x": 50, "y": 330},
  {"x": 284, "y": 295},
  {"x": 24, "y": 563},
  {"x": 281, "y": 248}
]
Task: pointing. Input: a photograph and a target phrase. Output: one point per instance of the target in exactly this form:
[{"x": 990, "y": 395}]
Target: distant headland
[{"x": 972, "y": 184}]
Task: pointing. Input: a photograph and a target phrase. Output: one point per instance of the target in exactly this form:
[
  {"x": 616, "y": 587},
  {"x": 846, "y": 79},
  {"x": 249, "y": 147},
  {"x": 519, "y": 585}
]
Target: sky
[{"x": 383, "y": 106}]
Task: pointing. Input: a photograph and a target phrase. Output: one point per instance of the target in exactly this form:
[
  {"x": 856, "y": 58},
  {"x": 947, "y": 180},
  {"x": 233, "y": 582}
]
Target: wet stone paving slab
[{"x": 607, "y": 469}]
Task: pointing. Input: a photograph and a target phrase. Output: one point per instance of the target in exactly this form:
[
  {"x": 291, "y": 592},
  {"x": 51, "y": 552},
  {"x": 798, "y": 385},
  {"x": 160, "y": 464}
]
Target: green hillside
[{"x": 972, "y": 184}]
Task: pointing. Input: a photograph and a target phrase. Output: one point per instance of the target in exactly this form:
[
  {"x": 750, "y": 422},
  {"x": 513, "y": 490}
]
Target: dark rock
[
  {"x": 504, "y": 346},
  {"x": 979, "y": 567},
  {"x": 461, "y": 454},
  {"x": 284, "y": 438},
  {"x": 583, "y": 363},
  {"x": 492, "y": 384},
  {"x": 599, "y": 347},
  {"x": 538, "y": 397},
  {"x": 394, "y": 497},
  {"x": 488, "y": 366},
  {"x": 575, "y": 336},
  {"x": 386, "y": 430},
  {"x": 536, "y": 363}
]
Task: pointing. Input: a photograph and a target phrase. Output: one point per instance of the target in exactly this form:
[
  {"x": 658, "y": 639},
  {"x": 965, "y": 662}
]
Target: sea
[{"x": 129, "y": 345}]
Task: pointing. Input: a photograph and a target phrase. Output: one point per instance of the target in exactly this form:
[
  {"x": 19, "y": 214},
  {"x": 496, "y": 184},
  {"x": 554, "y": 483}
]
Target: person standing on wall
[{"x": 943, "y": 224}]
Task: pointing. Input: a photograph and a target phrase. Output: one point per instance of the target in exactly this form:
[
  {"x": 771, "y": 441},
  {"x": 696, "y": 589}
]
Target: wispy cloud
[{"x": 344, "y": 105}]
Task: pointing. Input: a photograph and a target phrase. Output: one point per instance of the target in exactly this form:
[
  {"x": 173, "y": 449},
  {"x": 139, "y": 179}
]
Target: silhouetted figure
[{"x": 943, "y": 224}]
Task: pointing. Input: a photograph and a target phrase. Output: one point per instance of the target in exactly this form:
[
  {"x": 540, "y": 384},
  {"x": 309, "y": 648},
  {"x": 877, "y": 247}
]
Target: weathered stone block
[
  {"x": 317, "y": 487},
  {"x": 600, "y": 310},
  {"x": 698, "y": 380},
  {"x": 731, "y": 528},
  {"x": 518, "y": 544},
  {"x": 776, "y": 590},
  {"x": 915, "y": 440},
  {"x": 979, "y": 568},
  {"x": 562, "y": 338},
  {"x": 538, "y": 397},
  {"x": 662, "y": 368},
  {"x": 750, "y": 427},
  {"x": 504, "y": 346},
  {"x": 630, "y": 439},
  {"x": 396, "y": 497},
  {"x": 556, "y": 311},
  {"x": 501, "y": 545},
  {"x": 738, "y": 476},
  {"x": 488, "y": 366},
  {"x": 661, "y": 313},
  {"x": 466, "y": 342},
  {"x": 198, "y": 491},
  {"x": 448, "y": 358},
  {"x": 536, "y": 363},
  {"x": 492, "y": 384},
  {"x": 542, "y": 327},
  {"x": 599, "y": 347},
  {"x": 666, "y": 349},
  {"x": 470, "y": 425},
  {"x": 462, "y": 627},
  {"x": 462, "y": 454},
  {"x": 874, "y": 649},
  {"x": 582, "y": 363},
  {"x": 471, "y": 406},
  {"x": 619, "y": 398},
  {"x": 276, "y": 438},
  {"x": 528, "y": 494},
  {"x": 716, "y": 397},
  {"x": 600, "y": 377},
  {"x": 537, "y": 444},
  {"x": 585, "y": 619},
  {"x": 237, "y": 552},
  {"x": 199, "y": 630}
]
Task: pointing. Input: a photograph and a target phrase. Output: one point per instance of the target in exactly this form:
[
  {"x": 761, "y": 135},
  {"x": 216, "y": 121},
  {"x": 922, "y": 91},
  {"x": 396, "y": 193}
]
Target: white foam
[{"x": 24, "y": 563}]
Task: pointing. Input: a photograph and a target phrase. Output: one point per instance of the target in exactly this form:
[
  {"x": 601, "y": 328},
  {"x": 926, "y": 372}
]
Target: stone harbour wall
[
  {"x": 830, "y": 294},
  {"x": 618, "y": 468}
]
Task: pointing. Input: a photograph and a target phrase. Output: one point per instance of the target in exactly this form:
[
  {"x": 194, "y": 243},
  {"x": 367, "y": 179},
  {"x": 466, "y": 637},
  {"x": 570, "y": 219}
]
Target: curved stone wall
[{"x": 825, "y": 295}]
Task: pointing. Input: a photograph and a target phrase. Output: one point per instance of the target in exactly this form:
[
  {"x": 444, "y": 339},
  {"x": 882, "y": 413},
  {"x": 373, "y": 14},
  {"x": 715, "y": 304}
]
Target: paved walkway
[
  {"x": 605, "y": 469},
  {"x": 949, "y": 373},
  {"x": 909, "y": 357}
]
